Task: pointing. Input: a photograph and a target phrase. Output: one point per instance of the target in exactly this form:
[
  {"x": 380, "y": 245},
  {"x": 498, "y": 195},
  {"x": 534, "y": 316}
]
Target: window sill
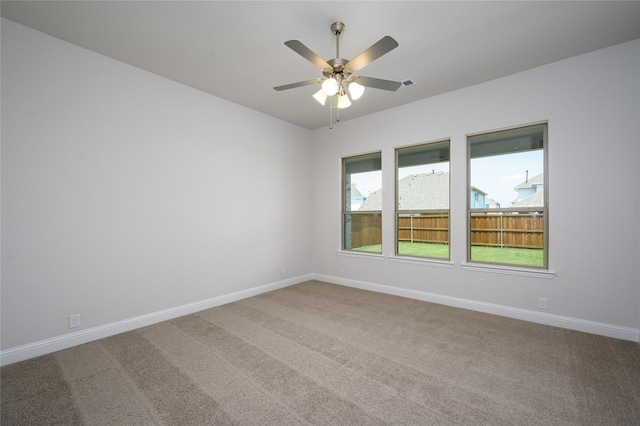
[
  {"x": 424, "y": 262},
  {"x": 361, "y": 254},
  {"x": 508, "y": 270}
]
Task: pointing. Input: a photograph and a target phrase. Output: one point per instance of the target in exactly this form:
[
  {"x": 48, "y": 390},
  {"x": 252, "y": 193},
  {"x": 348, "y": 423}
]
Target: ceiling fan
[{"x": 338, "y": 81}]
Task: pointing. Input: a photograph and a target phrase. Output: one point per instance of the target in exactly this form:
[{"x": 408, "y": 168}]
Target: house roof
[
  {"x": 355, "y": 193},
  {"x": 416, "y": 192},
  {"x": 534, "y": 181},
  {"x": 478, "y": 190},
  {"x": 533, "y": 200},
  {"x": 488, "y": 200}
]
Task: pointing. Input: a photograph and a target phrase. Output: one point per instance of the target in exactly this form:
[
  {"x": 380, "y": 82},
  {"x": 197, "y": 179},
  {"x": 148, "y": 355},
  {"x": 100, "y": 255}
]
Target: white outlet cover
[
  {"x": 74, "y": 321},
  {"x": 542, "y": 303}
]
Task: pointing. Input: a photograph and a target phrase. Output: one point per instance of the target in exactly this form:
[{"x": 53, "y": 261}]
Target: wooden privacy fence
[
  {"x": 524, "y": 230},
  {"x": 433, "y": 228},
  {"x": 366, "y": 230},
  {"x": 487, "y": 229}
]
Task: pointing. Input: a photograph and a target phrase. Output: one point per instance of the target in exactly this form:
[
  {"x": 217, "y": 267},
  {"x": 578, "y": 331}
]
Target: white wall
[
  {"x": 592, "y": 105},
  {"x": 124, "y": 193}
]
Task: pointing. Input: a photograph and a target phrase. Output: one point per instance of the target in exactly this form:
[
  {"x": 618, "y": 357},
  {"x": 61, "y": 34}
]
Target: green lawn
[
  {"x": 512, "y": 256},
  {"x": 507, "y": 255},
  {"x": 439, "y": 251}
]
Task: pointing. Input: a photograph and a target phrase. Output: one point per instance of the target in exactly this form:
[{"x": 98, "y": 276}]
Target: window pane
[
  {"x": 362, "y": 183},
  {"x": 423, "y": 200},
  {"x": 508, "y": 237},
  {"x": 507, "y": 168},
  {"x": 425, "y": 235},
  {"x": 363, "y": 232},
  {"x": 507, "y": 216}
]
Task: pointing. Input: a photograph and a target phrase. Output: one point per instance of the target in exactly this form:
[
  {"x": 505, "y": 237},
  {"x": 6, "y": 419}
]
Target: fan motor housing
[{"x": 337, "y": 64}]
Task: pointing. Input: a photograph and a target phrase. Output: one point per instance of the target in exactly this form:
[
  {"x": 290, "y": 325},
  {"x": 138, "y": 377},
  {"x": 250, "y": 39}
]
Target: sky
[{"x": 496, "y": 175}]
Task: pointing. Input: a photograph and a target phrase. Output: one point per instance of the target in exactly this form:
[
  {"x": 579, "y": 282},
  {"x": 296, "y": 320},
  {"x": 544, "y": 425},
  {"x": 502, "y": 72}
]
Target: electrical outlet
[
  {"x": 341, "y": 272},
  {"x": 542, "y": 302},
  {"x": 74, "y": 321},
  {"x": 284, "y": 273}
]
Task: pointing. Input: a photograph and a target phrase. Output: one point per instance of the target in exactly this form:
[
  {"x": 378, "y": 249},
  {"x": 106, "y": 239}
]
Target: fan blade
[
  {"x": 384, "y": 45},
  {"x": 377, "y": 83},
  {"x": 298, "y": 84},
  {"x": 309, "y": 55}
]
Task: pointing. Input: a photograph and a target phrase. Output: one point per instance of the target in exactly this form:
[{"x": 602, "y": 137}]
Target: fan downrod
[{"x": 337, "y": 63}]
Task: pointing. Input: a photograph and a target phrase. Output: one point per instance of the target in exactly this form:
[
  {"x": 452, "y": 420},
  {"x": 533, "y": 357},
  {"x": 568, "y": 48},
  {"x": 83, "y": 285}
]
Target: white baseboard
[
  {"x": 43, "y": 347},
  {"x": 602, "y": 329},
  {"x": 32, "y": 350}
]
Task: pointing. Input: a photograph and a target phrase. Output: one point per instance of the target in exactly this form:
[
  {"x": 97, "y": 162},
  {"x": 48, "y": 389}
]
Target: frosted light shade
[
  {"x": 330, "y": 86},
  {"x": 356, "y": 90},
  {"x": 320, "y": 96},
  {"x": 343, "y": 101}
]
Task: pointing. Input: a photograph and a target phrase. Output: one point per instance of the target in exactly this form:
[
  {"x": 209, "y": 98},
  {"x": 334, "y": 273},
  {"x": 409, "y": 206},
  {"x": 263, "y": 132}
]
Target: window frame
[
  {"x": 544, "y": 126},
  {"x": 398, "y": 212},
  {"x": 345, "y": 212}
]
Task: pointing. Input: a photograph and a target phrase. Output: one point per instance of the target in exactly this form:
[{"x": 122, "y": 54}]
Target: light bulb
[
  {"x": 330, "y": 86},
  {"x": 320, "y": 96},
  {"x": 355, "y": 90}
]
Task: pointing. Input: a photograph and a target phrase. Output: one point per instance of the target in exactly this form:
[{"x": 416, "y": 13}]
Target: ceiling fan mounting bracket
[{"x": 337, "y": 28}]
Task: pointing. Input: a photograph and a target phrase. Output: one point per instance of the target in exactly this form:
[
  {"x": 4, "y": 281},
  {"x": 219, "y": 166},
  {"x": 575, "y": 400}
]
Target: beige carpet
[{"x": 322, "y": 354}]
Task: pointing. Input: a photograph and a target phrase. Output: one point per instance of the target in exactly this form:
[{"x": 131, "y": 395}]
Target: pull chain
[{"x": 330, "y": 116}]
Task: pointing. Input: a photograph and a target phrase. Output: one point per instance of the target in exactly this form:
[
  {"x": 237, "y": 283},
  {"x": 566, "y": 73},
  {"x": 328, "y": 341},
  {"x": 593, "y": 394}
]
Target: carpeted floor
[{"x": 322, "y": 354}]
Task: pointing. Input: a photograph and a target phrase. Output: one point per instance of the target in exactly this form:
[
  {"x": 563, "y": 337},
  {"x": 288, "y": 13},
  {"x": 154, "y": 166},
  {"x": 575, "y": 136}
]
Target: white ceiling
[{"x": 235, "y": 49}]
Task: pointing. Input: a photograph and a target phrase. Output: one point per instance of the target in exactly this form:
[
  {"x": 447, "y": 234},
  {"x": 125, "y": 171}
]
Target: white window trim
[
  {"x": 426, "y": 261},
  {"x": 342, "y": 250},
  {"x": 361, "y": 254},
  {"x": 419, "y": 260},
  {"x": 508, "y": 270}
]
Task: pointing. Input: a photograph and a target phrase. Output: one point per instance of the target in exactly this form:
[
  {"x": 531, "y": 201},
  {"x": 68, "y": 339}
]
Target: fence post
[
  {"x": 501, "y": 231},
  {"x": 411, "y": 226}
]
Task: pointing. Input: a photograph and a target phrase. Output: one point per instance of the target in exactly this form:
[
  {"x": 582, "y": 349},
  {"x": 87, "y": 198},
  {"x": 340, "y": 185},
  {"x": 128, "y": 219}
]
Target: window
[
  {"x": 362, "y": 203},
  {"x": 508, "y": 215},
  {"x": 422, "y": 200}
]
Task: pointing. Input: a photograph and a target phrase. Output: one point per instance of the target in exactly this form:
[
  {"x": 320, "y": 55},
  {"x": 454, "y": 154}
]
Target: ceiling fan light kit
[
  {"x": 339, "y": 82},
  {"x": 320, "y": 96},
  {"x": 356, "y": 90},
  {"x": 330, "y": 86}
]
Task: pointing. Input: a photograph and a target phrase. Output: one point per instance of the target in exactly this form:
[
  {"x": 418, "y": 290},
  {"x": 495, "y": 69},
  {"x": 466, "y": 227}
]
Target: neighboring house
[
  {"x": 356, "y": 197},
  {"x": 490, "y": 203},
  {"x": 412, "y": 190},
  {"x": 530, "y": 192},
  {"x": 533, "y": 200},
  {"x": 373, "y": 201},
  {"x": 477, "y": 200}
]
